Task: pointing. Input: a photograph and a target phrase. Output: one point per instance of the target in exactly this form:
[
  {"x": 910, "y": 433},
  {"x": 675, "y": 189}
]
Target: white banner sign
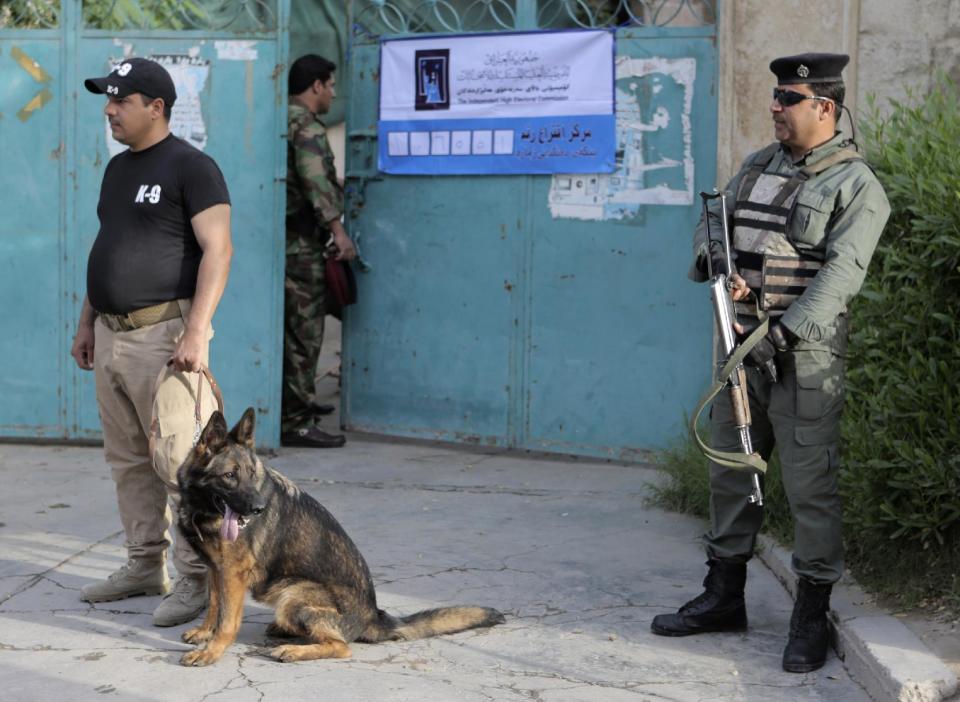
[{"x": 537, "y": 102}]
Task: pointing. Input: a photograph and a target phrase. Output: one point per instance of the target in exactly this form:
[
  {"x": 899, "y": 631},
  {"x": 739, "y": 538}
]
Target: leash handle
[
  {"x": 168, "y": 369},
  {"x": 217, "y": 394}
]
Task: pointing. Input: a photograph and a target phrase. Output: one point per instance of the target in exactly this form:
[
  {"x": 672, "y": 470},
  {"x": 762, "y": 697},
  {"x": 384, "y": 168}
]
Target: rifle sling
[{"x": 731, "y": 459}]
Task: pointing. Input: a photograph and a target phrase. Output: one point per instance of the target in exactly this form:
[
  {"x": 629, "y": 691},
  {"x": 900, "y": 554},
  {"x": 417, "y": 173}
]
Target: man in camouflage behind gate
[{"x": 314, "y": 208}]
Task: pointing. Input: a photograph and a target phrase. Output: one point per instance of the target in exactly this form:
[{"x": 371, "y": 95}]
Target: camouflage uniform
[
  {"x": 830, "y": 226},
  {"x": 314, "y": 198}
]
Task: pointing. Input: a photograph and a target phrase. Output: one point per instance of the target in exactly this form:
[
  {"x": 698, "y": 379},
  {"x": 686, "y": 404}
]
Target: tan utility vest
[{"x": 772, "y": 266}]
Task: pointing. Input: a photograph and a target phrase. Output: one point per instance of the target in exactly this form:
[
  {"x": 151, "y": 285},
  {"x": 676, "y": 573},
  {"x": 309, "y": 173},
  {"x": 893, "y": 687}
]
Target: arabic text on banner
[{"x": 536, "y": 102}]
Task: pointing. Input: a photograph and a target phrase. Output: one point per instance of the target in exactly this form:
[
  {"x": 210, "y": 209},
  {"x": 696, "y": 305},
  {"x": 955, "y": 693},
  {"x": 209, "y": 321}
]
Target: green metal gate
[
  {"x": 227, "y": 58},
  {"x": 542, "y": 312}
]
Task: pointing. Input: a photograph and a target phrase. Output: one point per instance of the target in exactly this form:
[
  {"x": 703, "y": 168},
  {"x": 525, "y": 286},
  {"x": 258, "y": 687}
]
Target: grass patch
[
  {"x": 687, "y": 488},
  {"x": 908, "y": 577}
]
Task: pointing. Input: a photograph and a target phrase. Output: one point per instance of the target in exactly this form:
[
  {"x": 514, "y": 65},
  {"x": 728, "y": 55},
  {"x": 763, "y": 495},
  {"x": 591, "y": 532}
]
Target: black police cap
[
  {"x": 135, "y": 75},
  {"x": 809, "y": 68}
]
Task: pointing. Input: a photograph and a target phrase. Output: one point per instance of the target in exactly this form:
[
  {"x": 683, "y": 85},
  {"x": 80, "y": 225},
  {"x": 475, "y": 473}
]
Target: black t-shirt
[{"x": 146, "y": 252}]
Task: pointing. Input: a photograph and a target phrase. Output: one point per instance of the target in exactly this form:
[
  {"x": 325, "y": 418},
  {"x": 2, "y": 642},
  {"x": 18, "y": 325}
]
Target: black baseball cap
[
  {"x": 809, "y": 68},
  {"x": 135, "y": 75}
]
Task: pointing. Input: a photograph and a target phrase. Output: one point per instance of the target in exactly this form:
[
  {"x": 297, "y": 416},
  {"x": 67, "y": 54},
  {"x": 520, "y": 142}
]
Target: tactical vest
[{"x": 771, "y": 265}]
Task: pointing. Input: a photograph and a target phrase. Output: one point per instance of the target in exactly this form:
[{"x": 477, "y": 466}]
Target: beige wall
[
  {"x": 905, "y": 42},
  {"x": 751, "y": 35},
  {"x": 337, "y": 135},
  {"x": 893, "y": 44}
]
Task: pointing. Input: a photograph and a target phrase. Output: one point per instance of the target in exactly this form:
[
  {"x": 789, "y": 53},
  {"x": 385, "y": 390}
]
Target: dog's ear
[
  {"x": 212, "y": 439},
  {"x": 242, "y": 433}
]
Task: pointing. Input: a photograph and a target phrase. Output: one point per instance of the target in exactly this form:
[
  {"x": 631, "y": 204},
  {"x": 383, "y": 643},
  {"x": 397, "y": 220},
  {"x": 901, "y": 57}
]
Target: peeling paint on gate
[
  {"x": 654, "y": 156},
  {"x": 40, "y": 76}
]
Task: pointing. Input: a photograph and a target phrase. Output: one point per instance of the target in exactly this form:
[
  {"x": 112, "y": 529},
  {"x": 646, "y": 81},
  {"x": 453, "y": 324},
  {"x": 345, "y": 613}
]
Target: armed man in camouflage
[
  {"x": 808, "y": 214},
  {"x": 314, "y": 207}
]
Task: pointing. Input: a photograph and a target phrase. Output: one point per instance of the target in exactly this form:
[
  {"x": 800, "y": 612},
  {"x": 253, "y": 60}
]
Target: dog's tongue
[{"x": 229, "y": 529}]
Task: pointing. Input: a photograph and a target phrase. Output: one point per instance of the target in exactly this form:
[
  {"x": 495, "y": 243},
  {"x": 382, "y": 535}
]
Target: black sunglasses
[{"x": 788, "y": 98}]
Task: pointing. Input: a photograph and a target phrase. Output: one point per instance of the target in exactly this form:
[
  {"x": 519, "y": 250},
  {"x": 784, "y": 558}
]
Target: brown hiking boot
[
  {"x": 137, "y": 577},
  {"x": 186, "y": 601}
]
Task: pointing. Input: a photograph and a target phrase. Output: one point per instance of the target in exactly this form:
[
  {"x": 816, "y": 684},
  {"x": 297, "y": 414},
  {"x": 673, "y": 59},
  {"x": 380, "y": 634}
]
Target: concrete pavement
[{"x": 565, "y": 548}]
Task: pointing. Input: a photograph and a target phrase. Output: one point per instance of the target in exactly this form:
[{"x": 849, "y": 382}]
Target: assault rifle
[{"x": 730, "y": 373}]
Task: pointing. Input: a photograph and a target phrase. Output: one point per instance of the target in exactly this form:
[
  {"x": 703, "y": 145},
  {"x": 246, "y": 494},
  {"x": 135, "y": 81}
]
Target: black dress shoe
[
  {"x": 809, "y": 640},
  {"x": 312, "y": 437},
  {"x": 323, "y": 409},
  {"x": 719, "y": 608}
]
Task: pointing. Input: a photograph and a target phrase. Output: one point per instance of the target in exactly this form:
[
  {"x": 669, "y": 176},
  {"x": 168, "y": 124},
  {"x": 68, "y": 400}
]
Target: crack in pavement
[
  {"x": 416, "y": 673},
  {"x": 41, "y": 648},
  {"x": 584, "y": 616},
  {"x": 241, "y": 676},
  {"x": 628, "y": 686},
  {"x": 37, "y": 578},
  {"x": 600, "y": 535},
  {"x": 451, "y": 569},
  {"x": 573, "y": 682},
  {"x": 632, "y": 685},
  {"x": 51, "y": 580},
  {"x": 82, "y": 610},
  {"x": 425, "y": 487},
  {"x": 467, "y": 489},
  {"x": 436, "y": 457}
]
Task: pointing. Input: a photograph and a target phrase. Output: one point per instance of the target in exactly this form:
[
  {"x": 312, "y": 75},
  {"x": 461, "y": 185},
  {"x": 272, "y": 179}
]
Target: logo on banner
[{"x": 432, "y": 68}]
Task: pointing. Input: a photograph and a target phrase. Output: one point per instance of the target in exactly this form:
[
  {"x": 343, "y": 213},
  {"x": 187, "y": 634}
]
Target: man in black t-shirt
[{"x": 155, "y": 275}]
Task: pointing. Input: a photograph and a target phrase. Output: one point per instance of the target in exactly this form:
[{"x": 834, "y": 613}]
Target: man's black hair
[
  {"x": 835, "y": 90},
  {"x": 307, "y": 69},
  {"x": 167, "y": 109}
]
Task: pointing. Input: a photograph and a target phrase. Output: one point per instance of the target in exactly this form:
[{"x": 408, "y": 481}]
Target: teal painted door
[
  {"x": 231, "y": 104},
  {"x": 31, "y": 233},
  {"x": 617, "y": 345},
  {"x": 540, "y": 312}
]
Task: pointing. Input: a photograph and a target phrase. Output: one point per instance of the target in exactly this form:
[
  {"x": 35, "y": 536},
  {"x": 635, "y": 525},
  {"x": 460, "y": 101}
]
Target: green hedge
[{"x": 901, "y": 429}]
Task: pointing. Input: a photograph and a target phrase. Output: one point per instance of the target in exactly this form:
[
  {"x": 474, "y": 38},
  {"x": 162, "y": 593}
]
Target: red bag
[{"x": 341, "y": 286}]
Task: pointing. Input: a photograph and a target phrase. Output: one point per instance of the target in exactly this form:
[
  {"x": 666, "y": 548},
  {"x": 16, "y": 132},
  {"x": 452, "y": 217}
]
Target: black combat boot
[
  {"x": 809, "y": 631},
  {"x": 719, "y": 608}
]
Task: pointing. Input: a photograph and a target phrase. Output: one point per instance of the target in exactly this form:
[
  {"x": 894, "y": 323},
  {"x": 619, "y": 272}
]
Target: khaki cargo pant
[
  {"x": 126, "y": 367},
  {"x": 800, "y": 416}
]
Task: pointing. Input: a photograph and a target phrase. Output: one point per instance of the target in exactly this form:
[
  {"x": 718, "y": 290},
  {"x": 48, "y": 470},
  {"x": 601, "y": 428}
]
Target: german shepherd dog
[{"x": 258, "y": 531}]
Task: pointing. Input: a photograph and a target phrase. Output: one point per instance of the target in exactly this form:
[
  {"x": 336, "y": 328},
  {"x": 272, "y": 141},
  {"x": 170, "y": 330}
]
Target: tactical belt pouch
[{"x": 784, "y": 279}]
